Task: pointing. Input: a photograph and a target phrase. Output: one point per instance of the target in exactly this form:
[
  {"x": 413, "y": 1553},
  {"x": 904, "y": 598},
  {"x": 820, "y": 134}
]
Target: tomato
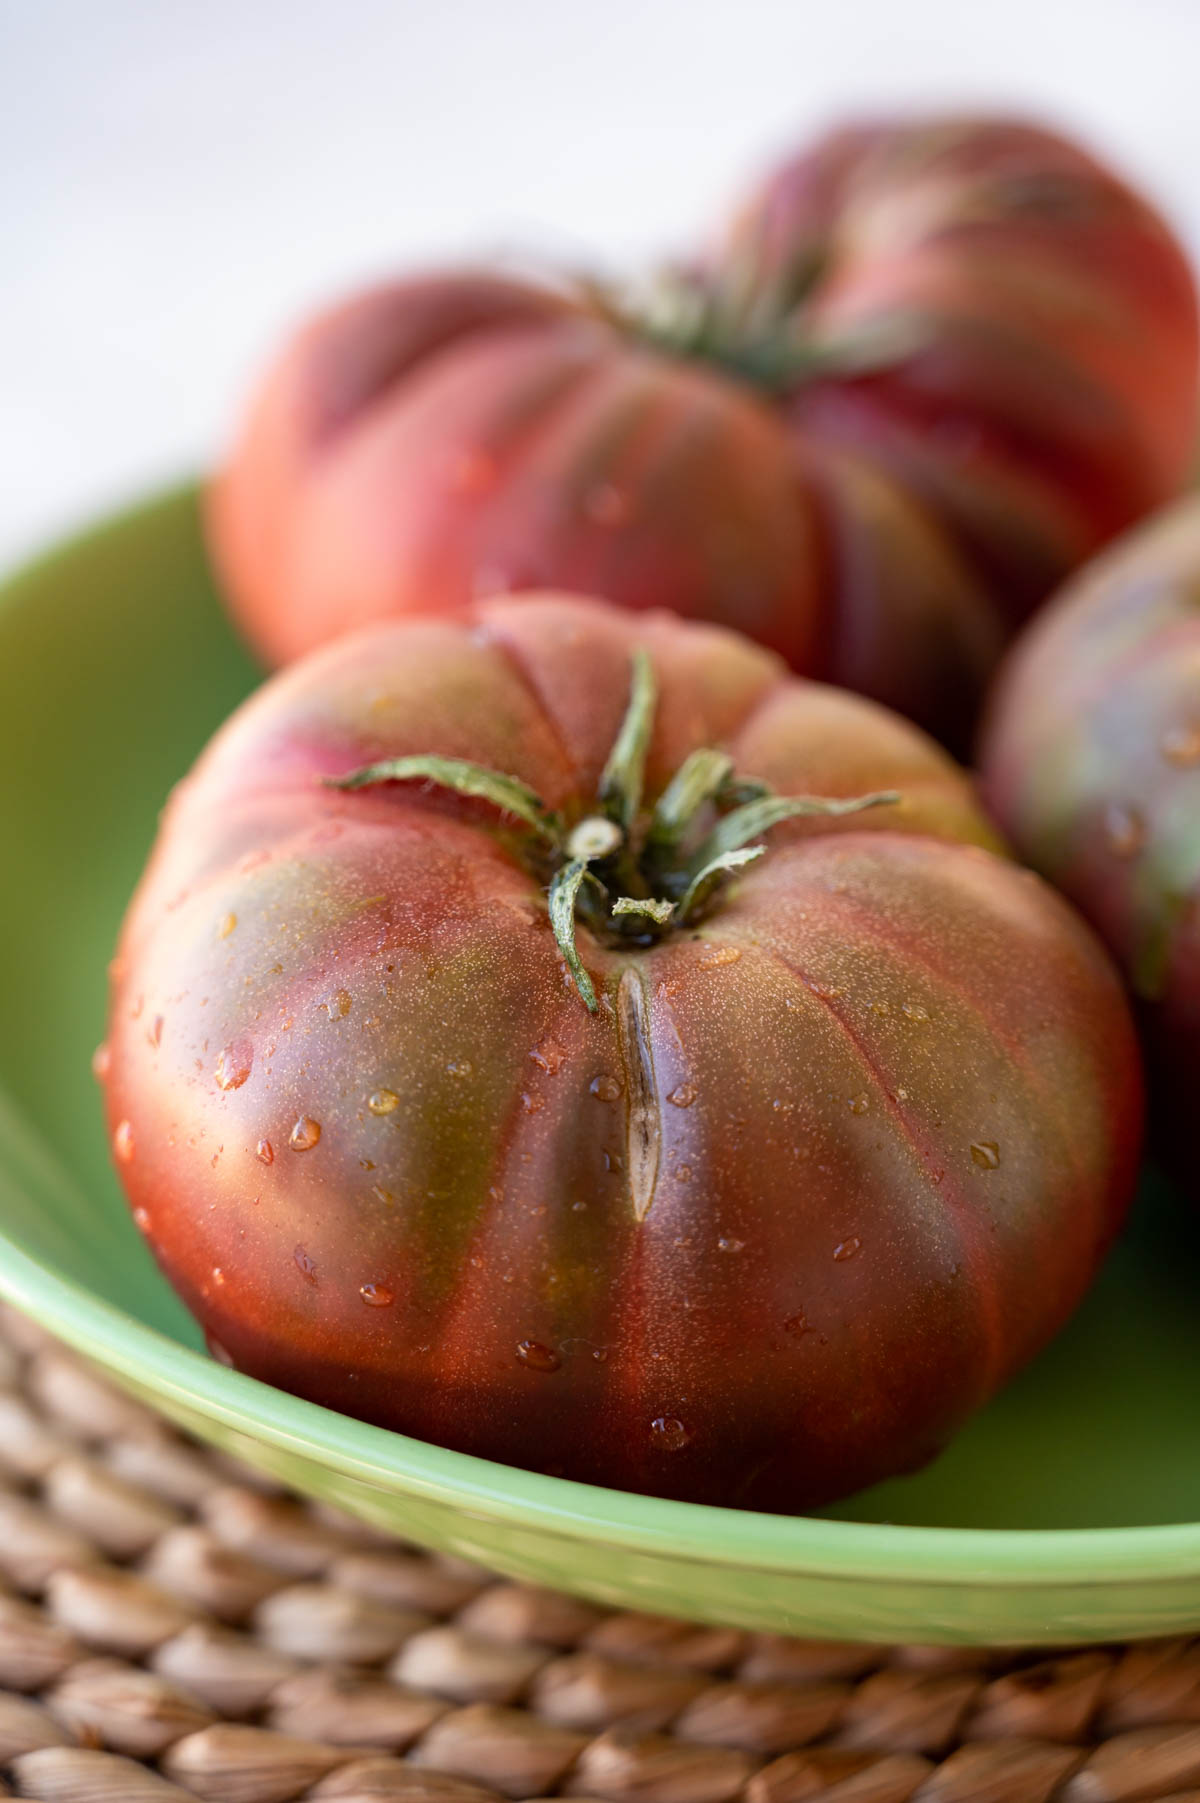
[
  {"x": 1047, "y": 393},
  {"x": 517, "y": 1094},
  {"x": 931, "y": 369},
  {"x": 1091, "y": 759}
]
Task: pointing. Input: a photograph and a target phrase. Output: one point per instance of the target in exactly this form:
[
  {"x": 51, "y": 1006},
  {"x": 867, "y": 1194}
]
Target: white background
[{"x": 179, "y": 177}]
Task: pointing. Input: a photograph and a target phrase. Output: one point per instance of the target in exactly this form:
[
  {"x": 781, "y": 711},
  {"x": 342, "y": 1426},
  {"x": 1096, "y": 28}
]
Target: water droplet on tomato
[
  {"x": 123, "y": 1146},
  {"x": 265, "y": 1151},
  {"x": 1124, "y": 830},
  {"x": 305, "y": 1134},
  {"x": 550, "y": 1055},
  {"x": 605, "y": 1088},
  {"x": 154, "y": 1031},
  {"x": 728, "y": 1244},
  {"x": 376, "y": 1295},
  {"x": 847, "y": 1249},
  {"x": 986, "y": 1154},
  {"x": 101, "y": 1061},
  {"x": 460, "y": 1067},
  {"x": 141, "y": 1219},
  {"x": 234, "y": 1064},
  {"x": 1180, "y": 745},
  {"x": 226, "y": 925},
  {"x": 218, "y": 1276},
  {"x": 305, "y": 1265},
  {"x": 531, "y": 1102},
  {"x": 382, "y": 1195},
  {"x": 538, "y": 1357},
  {"x": 859, "y": 1104},
  {"x": 683, "y": 1095},
  {"x": 719, "y": 955},
  {"x": 914, "y": 1011},
  {"x": 669, "y": 1433},
  {"x": 383, "y": 1101}
]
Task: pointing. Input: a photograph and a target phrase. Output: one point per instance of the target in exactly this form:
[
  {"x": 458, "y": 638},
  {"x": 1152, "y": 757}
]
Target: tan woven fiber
[{"x": 174, "y": 1626}]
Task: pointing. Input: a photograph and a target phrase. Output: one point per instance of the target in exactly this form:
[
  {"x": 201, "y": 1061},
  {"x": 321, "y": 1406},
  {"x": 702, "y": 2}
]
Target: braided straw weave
[{"x": 174, "y": 1626}]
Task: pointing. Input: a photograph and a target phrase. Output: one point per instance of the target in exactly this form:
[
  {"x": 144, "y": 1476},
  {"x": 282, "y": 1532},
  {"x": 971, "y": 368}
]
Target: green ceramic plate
[{"x": 1069, "y": 1511}]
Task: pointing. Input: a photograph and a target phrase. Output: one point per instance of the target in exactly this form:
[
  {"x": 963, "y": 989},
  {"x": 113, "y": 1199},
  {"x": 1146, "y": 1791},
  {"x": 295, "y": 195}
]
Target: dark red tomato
[
  {"x": 1091, "y": 760},
  {"x": 491, "y": 1117},
  {"x": 1047, "y": 394},
  {"x": 457, "y": 436},
  {"x": 987, "y": 343}
]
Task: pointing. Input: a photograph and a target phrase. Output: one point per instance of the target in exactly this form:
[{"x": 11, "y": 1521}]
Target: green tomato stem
[
  {"x": 700, "y": 889},
  {"x": 698, "y": 779},
  {"x": 624, "y": 774},
  {"x": 632, "y": 867},
  {"x": 564, "y": 894},
  {"x": 508, "y": 793},
  {"x": 658, "y": 911},
  {"x": 755, "y": 817}
]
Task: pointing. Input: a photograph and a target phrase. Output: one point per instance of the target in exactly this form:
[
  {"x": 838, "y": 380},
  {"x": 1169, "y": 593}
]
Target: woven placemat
[{"x": 172, "y": 1625}]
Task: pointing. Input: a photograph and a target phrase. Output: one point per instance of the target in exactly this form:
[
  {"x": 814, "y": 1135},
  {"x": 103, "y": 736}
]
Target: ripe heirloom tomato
[
  {"x": 1091, "y": 758},
  {"x": 474, "y": 1067},
  {"x": 1046, "y": 394},
  {"x": 934, "y": 367}
]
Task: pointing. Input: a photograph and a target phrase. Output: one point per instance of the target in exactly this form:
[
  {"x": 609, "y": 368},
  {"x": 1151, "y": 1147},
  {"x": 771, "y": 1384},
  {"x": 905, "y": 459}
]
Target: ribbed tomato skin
[
  {"x": 1091, "y": 760},
  {"x": 1050, "y": 398},
  {"x": 528, "y": 445},
  {"x": 759, "y": 1231},
  {"x": 436, "y": 440}
]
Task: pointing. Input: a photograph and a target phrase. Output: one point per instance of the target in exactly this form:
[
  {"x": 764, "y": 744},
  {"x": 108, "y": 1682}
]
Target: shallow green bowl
[{"x": 1069, "y": 1511}]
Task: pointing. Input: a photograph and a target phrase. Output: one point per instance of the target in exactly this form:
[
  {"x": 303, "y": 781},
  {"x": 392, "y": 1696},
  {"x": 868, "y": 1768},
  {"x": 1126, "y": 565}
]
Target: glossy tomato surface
[
  {"x": 932, "y": 367},
  {"x": 1091, "y": 759},
  {"x": 822, "y": 1168}
]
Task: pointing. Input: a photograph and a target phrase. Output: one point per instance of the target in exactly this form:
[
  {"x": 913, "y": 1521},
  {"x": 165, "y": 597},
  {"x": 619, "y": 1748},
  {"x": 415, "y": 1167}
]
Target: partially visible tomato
[
  {"x": 725, "y": 1186},
  {"x": 1047, "y": 391},
  {"x": 1091, "y": 759},
  {"x": 455, "y": 436},
  {"x": 934, "y": 367}
]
